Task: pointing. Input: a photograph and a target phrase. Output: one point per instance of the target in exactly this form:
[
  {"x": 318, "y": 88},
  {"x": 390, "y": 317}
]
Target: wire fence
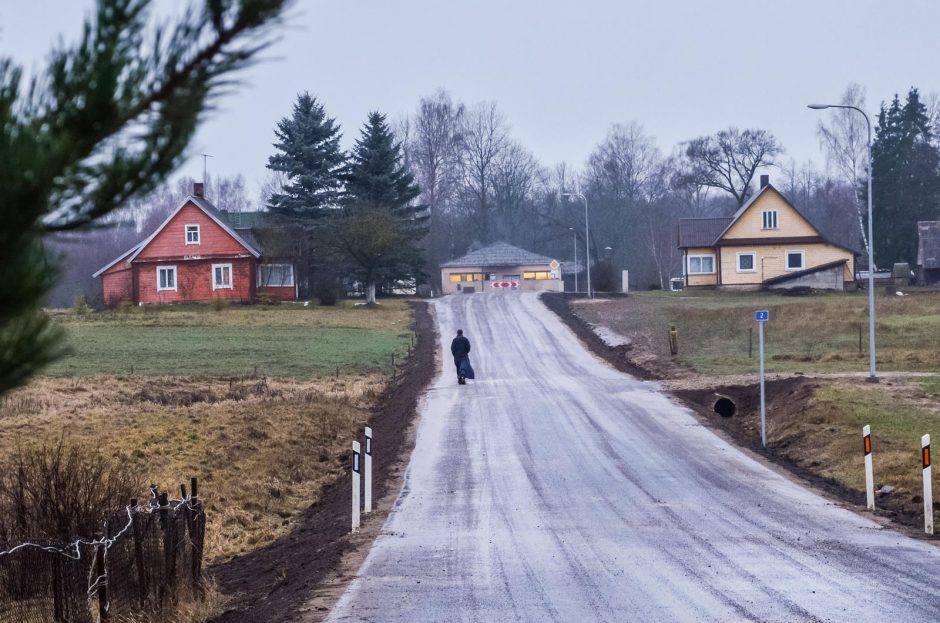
[{"x": 145, "y": 560}]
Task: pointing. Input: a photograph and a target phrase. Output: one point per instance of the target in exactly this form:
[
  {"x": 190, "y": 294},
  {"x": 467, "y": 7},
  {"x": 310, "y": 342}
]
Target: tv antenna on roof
[{"x": 205, "y": 158}]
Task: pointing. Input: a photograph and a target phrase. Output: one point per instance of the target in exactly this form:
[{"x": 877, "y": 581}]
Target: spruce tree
[
  {"x": 380, "y": 225},
  {"x": 309, "y": 155},
  {"x": 906, "y": 178}
]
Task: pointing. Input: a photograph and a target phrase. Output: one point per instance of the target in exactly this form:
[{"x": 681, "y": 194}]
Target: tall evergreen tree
[
  {"x": 310, "y": 157},
  {"x": 380, "y": 225},
  {"x": 906, "y": 178}
]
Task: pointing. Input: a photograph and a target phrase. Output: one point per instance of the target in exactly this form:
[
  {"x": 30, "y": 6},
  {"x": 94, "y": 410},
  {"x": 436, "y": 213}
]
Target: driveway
[{"x": 554, "y": 488}]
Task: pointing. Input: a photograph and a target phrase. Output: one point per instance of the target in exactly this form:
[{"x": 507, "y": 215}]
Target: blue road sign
[{"x": 762, "y": 315}]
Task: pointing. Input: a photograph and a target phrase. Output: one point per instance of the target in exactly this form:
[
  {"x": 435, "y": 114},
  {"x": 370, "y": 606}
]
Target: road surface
[{"x": 554, "y": 488}]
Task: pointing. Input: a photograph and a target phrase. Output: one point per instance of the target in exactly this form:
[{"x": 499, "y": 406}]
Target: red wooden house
[{"x": 198, "y": 254}]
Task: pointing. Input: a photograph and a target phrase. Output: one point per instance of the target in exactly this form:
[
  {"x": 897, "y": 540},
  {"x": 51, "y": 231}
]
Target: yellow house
[{"x": 766, "y": 244}]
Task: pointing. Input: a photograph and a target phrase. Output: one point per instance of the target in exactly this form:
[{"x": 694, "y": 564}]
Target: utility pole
[{"x": 205, "y": 167}]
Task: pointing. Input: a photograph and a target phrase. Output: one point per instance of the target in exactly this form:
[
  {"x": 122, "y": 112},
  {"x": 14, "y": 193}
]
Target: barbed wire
[{"x": 174, "y": 505}]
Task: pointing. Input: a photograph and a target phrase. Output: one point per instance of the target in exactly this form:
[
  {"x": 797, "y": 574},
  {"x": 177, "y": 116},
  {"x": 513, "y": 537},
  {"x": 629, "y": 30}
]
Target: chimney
[
  {"x": 199, "y": 190},
  {"x": 764, "y": 180}
]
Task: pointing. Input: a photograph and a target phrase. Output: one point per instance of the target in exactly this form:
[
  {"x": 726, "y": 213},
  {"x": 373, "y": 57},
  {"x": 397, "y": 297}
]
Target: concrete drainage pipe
[{"x": 724, "y": 406}]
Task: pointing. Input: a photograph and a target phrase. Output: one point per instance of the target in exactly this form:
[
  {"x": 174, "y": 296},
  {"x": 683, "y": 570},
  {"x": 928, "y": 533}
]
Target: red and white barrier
[
  {"x": 928, "y": 485},
  {"x": 355, "y": 486},
  {"x": 367, "y": 464},
  {"x": 869, "y": 476}
]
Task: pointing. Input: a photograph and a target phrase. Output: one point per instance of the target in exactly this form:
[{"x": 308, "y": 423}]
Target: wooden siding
[
  {"x": 171, "y": 241},
  {"x": 789, "y": 221},
  {"x": 770, "y": 261},
  {"x": 194, "y": 281},
  {"x": 701, "y": 280},
  {"x": 117, "y": 284}
]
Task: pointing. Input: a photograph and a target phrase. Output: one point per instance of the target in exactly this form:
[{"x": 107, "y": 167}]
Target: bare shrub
[{"x": 61, "y": 492}]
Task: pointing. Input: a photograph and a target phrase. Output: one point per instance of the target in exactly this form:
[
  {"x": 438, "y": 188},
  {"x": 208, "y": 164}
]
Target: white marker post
[
  {"x": 928, "y": 485},
  {"x": 761, "y": 317},
  {"x": 355, "y": 487},
  {"x": 869, "y": 476},
  {"x": 367, "y": 464}
]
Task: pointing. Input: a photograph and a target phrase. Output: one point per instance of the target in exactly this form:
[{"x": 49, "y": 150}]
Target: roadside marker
[
  {"x": 869, "y": 477},
  {"x": 928, "y": 485},
  {"x": 762, "y": 316},
  {"x": 355, "y": 487},
  {"x": 367, "y": 464}
]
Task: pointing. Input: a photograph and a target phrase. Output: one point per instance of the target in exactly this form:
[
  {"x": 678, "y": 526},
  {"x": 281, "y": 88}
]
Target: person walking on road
[{"x": 460, "y": 349}]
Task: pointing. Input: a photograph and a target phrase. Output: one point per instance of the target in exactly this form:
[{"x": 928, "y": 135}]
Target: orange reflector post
[
  {"x": 867, "y": 444},
  {"x": 926, "y": 453}
]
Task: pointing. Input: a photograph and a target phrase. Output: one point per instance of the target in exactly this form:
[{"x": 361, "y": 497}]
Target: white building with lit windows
[{"x": 501, "y": 267}]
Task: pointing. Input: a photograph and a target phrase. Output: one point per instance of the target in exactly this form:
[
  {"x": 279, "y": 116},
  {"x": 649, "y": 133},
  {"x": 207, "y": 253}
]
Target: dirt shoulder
[
  {"x": 274, "y": 583},
  {"x": 814, "y": 423}
]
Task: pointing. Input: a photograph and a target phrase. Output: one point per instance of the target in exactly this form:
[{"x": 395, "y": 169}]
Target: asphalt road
[{"x": 554, "y": 488}]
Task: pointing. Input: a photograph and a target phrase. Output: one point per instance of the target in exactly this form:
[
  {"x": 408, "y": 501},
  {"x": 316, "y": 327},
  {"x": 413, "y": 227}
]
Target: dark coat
[{"x": 460, "y": 347}]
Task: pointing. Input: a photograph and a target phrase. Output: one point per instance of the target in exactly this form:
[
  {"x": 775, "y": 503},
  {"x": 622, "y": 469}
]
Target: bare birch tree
[{"x": 845, "y": 141}]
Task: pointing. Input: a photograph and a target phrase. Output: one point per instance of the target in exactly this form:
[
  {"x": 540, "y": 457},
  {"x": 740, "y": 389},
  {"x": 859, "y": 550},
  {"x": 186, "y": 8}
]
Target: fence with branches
[{"x": 145, "y": 560}]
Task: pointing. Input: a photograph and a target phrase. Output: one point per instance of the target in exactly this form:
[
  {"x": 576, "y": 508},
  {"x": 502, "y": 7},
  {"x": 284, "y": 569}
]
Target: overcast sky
[{"x": 561, "y": 72}]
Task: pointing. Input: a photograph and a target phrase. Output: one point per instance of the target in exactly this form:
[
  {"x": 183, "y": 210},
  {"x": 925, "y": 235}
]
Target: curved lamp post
[
  {"x": 872, "y": 376},
  {"x": 587, "y": 238}
]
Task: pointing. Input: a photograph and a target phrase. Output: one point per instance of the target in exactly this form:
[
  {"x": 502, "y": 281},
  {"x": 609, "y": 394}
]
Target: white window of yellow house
[
  {"x": 795, "y": 260},
  {"x": 701, "y": 264},
  {"x": 768, "y": 219},
  {"x": 747, "y": 262}
]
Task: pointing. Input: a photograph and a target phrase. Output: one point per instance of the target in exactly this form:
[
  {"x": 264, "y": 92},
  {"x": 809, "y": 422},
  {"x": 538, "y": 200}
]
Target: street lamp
[
  {"x": 587, "y": 238},
  {"x": 574, "y": 235},
  {"x": 872, "y": 377}
]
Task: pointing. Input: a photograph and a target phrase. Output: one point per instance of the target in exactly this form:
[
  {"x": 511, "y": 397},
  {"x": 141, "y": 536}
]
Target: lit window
[
  {"x": 166, "y": 278},
  {"x": 455, "y": 278},
  {"x": 701, "y": 264},
  {"x": 276, "y": 275},
  {"x": 192, "y": 234},
  {"x": 221, "y": 276},
  {"x": 747, "y": 262},
  {"x": 795, "y": 260},
  {"x": 768, "y": 219}
]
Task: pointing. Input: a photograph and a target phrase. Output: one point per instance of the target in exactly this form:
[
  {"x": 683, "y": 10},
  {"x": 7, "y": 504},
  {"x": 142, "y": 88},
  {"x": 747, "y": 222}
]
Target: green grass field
[
  {"x": 283, "y": 341},
  {"x": 818, "y": 333}
]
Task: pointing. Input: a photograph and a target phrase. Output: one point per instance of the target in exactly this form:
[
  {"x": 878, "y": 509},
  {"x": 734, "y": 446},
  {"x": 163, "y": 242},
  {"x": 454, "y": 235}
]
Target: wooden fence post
[
  {"x": 101, "y": 578},
  {"x": 197, "y": 531},
  {"x": 139, "y": 554},
  {"x": 750, "y": 342}
]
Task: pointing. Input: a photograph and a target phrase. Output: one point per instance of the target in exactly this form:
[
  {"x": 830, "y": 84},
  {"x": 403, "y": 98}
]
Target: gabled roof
[
  {"x": 701, "y": 232},
  {"x": 747, "y": 205},
  {"x": 498, "y": 254},
  {"x": 928, "y": 244},
  {"x": 212, "y": 212},
  {"x": 119, "y": 258},
  {"x": 203, "y": 204}
]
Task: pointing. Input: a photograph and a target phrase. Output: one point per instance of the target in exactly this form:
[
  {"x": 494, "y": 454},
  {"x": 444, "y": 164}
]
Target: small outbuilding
[
  {"x": 928, "y": 253},
  {"x": 499, "y": 267}
]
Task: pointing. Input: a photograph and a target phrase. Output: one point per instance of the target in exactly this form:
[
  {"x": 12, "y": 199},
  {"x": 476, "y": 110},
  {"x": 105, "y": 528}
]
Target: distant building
[
  {"x": 501, "y": 264},
  {"x": 766, "y": 244},
  {"x": 928, "y": 253},
  {"x": 199, "y": 253}
]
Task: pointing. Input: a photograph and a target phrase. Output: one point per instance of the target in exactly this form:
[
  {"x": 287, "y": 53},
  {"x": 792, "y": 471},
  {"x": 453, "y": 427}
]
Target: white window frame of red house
[
  {"x": 753, "y": 255},
  {"x": 689, "y": 270},
  {"x": 215, "y": 284},
  {"x": 196, "y": 231},
  {"x": 261, "y": 283},
  {"x": 786, "y": 260},
  {"x": 175, "y": 278}
]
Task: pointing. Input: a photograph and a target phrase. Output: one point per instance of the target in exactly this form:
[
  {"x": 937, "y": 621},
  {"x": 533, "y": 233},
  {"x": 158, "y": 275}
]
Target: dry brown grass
[{"x": 261, "y": 448}]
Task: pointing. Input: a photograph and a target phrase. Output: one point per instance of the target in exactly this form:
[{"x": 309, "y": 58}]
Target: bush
[
  {"x": 267, "y": 299},
  {"x": 326, "y": 290},
  {"x": 125, "y": 307},
  {"x": 219, "y": 304},
  {"x": 61, "y": 492},
  {"x": 80, "y": 306}
]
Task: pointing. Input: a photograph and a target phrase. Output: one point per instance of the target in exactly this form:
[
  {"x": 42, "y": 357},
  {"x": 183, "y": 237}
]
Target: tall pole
[
  {"x": 872, "y": 374},
  {"x": 763, "y": 407},
  {"x": 587, "y": 245},
  {"x": 574, "y": 235}
]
